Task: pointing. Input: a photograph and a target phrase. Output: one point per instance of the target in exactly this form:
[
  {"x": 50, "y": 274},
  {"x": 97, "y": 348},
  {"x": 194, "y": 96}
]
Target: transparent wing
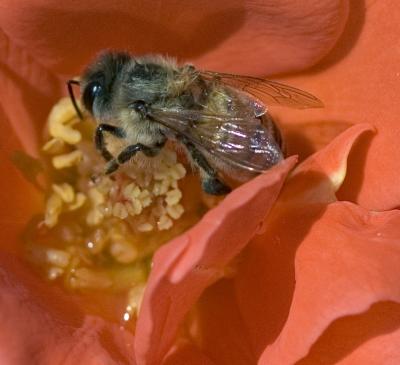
[
  {"x": 240, "y": 142},
  {"x": 268, "y": 91}
]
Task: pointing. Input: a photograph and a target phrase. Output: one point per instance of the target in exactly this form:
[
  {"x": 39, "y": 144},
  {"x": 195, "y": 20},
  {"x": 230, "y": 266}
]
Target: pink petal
[{"x": 186, "y": 266}]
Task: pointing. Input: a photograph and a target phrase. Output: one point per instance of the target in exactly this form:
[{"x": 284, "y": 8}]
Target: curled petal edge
[{"x": 187, "y": 265}]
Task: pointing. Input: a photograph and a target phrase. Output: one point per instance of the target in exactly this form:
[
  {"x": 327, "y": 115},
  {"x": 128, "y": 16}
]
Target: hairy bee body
[{"x": 148, "y": 100}]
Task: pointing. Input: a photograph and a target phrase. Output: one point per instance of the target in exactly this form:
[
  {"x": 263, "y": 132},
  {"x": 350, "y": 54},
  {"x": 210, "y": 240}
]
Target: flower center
[{"x": 100, "y": 235}]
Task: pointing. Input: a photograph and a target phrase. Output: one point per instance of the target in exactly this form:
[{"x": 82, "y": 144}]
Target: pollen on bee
[{"x": 101, "y": 235}]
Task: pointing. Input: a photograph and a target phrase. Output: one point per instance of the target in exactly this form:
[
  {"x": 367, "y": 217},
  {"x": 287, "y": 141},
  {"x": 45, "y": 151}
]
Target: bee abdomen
[{"x": 275, "y": 132}]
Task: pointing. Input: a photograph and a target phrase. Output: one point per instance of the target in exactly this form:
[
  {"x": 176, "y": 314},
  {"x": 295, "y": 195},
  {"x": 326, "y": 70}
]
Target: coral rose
[{"x": 315, "y": 279}]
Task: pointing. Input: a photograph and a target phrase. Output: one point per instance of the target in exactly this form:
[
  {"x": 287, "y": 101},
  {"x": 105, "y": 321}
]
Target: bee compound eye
[{"x": 92, "y": 90}]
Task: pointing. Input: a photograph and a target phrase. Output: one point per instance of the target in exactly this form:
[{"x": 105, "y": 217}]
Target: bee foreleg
[
  {"x": 209, "y": 180},
  {"x": 128, "y": 152},
  {"x": 99, "y": 138}
]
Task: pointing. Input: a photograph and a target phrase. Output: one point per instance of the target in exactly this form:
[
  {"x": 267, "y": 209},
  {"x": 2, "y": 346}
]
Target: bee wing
[
  {"x": 240, "y": 142},
  {"x": 271, "y": 92}
]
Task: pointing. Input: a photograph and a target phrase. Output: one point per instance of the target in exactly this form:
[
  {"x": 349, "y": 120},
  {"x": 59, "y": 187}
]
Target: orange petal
[
  {"x": 237, "y": 36},
  {"x": 377, "y": 351},
  {"x": 42, "y": 325},
  {"x": 366, "y": 338},
  {"x": 220, "y": 331},
  {"x": 20, "y": 200},
  {"x": 237, "y": 318},
  {"x": 358, "y": 83},
  {"x": 186, "y": 354},
  {"x": 187, "y": 265},
  {"x": 318, "y": 178},
  {"x": 266, "y": 280},
  {"x": 37, "y": 39},
  {"x": 28, "y": 91},
  {"x": 347, "y": 261},
  {"x": 40, "y": 42}
]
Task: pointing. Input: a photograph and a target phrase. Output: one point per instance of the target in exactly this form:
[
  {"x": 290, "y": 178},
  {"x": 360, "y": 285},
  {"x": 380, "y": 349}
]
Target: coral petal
[
  {"x": 186, "y": 266},
  {"x": 347, "y": 262},
  {"x": 19, "y": 199},
  {"x": 358, "y": 83},
  {"x": 349, "y": 339},
  {"x": 186, "y": 354},
  {"x": 221, "y": 333},
  {"x": 331, "y": 162},
  {"x": 269, "y": 269},
  {"x": 380, "y": 350},
  {"x": 269, "y": 32},
  {"x": 37, "y": 329}
]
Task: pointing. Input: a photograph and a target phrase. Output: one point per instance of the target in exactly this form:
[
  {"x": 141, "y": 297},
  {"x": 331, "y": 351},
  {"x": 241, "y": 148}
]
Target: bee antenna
[{"x": 72, "y": 97}]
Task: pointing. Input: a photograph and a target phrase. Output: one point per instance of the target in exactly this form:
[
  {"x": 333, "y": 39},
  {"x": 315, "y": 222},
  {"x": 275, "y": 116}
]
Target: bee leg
[
  {"x": 155, "y": 150},
  {"x": 209, "y": 180},
  {"x": 214, "y": 186},
  {"x": 128, "y": 152},
  {"x": 99, "y": 138}
]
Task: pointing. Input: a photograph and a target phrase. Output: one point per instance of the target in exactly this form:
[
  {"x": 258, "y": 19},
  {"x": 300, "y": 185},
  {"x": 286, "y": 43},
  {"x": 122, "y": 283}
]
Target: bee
[{"x": 218, "y": 118}]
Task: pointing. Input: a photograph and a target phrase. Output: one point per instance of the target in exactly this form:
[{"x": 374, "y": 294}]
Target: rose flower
[{"x": 298, "y": 266}]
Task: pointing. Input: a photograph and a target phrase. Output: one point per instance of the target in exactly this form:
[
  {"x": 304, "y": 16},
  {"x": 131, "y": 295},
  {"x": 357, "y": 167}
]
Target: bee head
[{"x": 98, "y": 81}]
